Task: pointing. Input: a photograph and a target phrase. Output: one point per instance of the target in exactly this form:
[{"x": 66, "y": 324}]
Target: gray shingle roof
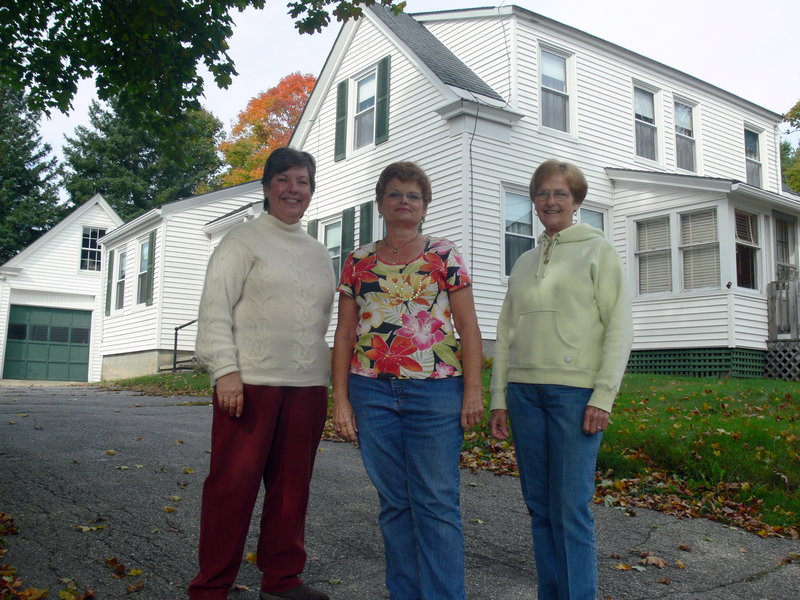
[{"x": 436, "y": 56}]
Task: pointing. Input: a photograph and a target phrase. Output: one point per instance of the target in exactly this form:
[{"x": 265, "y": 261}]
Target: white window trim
[
  {"x": 761, "y": 276},
  {"x": 140, "y": 245},
  {"x": 325, "y": 223},
  {"x": 676, "y": 258},
  {"x": 352, "y": 111},
  {"x": 793, "y": 243},
  {"x": 600, "y": 208},
  {"x": 98, "y": 250},
  {"x": 658, "y": 116},
  {"x": 121, "y": 263},
  {"x": 572, "y": 83},
  {"x": 759, "y": 131},
  {"x": 696, "y": 120},
  {"x": 536, "y": 224}
]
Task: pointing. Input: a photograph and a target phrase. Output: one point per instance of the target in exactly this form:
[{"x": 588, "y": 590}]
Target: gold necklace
[{"x": 395, "y": 249}]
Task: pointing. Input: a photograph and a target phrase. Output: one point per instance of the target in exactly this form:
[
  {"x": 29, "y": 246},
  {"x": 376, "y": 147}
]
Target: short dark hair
[
  {"x": 572, "y": 174},
  {"x": 404, "y": 171},
  {"x": 283, "y": 159}
]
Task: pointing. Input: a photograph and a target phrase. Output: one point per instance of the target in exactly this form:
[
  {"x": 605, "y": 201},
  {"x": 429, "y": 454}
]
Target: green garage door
[{"x": 47, "y": 344}]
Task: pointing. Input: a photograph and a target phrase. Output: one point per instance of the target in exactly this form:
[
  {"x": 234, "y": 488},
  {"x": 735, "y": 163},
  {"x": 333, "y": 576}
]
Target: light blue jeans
[
  {"x": 410, "y": 436},
  {"x": 557, "y": 464}
]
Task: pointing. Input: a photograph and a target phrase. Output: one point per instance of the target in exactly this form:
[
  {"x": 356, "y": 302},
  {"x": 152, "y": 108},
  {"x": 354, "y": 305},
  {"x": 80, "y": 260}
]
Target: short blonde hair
[{"x": 574, "y": 177}]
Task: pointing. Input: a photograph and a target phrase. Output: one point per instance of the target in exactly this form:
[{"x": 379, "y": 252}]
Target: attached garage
[{"x": 49, "y": 344}]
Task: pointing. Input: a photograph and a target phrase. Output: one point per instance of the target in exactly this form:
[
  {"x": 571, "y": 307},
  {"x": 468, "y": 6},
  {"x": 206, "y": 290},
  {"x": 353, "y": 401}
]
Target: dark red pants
[{"x": 274, "y": 441}]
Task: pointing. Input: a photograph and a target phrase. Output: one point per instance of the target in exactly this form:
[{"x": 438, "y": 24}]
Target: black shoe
[{"x": 301, "y": 592}]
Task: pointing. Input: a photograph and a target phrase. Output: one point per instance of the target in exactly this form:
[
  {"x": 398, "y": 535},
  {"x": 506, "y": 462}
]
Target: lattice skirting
[
  {"x": 783, "y": 360},
  {"x": 699, "y": 362}
]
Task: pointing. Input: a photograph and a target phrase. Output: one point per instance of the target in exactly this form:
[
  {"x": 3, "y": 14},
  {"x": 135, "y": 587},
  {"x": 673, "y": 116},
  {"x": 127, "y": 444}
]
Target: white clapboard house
[
  {"x": 51, "y": 315},
  {"x": 684, "y": 177}
]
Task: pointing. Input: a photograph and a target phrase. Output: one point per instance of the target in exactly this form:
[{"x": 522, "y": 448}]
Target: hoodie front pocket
[{"x": 538, "y": 341}]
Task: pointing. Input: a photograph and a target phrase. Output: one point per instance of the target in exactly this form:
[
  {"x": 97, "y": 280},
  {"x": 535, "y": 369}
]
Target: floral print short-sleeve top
[{"x": 404, "y": 326}]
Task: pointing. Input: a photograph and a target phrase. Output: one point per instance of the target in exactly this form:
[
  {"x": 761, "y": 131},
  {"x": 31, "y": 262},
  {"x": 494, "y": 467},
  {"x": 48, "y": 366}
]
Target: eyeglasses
[
  {"x": 395, "y": 195},
  {"x": 558, "y": 195}
]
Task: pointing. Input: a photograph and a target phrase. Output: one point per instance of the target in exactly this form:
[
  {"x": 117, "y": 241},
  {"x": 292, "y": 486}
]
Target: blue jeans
[
  {"x": 410, "y": 436},
  {"x": 557, "y": 463}
]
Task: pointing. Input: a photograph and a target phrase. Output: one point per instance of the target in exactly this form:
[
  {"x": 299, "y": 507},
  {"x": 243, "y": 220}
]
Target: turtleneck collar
[{"x": 268, "y": 219}]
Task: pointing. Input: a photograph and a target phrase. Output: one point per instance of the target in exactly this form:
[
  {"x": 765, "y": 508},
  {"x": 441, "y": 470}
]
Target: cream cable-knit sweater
[{"x": 266, "y": 306}]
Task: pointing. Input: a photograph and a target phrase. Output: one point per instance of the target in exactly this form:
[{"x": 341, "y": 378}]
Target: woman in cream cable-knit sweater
[{"x": 264, "y": 312}]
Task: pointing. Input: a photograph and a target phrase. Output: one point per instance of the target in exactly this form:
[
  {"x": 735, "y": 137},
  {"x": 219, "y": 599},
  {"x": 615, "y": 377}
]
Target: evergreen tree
[
  {"x": 29, "y": 203},
  {"x": 128, "y": 165}
]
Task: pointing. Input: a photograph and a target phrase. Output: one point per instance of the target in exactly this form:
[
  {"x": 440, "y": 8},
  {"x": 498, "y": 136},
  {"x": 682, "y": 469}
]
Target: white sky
[{"x": 743, "y": 47}]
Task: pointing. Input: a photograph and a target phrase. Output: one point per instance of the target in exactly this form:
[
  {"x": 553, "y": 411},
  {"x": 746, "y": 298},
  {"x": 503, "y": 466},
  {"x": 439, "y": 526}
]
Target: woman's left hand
[
  {"x": 595, "y": 420},
  {"x": 471, "y": 408}
]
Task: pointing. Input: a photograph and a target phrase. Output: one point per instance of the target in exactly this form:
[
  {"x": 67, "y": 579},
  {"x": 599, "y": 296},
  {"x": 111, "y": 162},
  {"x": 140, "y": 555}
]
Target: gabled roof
[
  {"x": 75, "y": 215},
  {"x": 433, "y": 53}
]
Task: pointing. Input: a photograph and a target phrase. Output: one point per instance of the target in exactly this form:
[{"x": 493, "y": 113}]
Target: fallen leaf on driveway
[{"x": 653, "y": 561}]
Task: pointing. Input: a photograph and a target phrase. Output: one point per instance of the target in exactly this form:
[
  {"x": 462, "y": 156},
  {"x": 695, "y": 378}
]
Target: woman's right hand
[
  {"x": 498, "y": 423},
  {"x": 230, "y": 394},
  {"x": 344, "y": 419}
]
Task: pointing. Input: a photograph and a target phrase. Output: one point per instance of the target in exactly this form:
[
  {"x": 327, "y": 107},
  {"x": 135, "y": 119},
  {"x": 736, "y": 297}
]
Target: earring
[
  {"x": 422, "y": 220},
  {"x": 380, "y": 215}
]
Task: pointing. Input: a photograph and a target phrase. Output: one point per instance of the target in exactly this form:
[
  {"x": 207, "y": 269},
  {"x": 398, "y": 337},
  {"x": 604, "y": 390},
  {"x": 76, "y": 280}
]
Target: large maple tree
[{"x": 267, "y": 123}]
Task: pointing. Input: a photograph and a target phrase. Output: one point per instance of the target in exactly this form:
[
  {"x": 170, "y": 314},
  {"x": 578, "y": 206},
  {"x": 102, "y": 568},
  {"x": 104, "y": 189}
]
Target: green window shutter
[
  {"x": 313, "y": 227},
  {"x": 151, "y": 267},
  {"x": 382, "y": 102},
  {"x": 365, "y": 224},
  {"x": 109, "y": 281},
  {"x": 340, "y": 141},
  {"x": 348, "y": 230}
]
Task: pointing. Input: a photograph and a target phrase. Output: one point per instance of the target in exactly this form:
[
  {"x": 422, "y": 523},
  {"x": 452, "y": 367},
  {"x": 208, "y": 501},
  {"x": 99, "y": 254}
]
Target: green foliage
[
  {"x": 793, "y": 117},
  {"x": 126, "y": 164},
  {"x": 143, "y": 53},
  {"x": 28, "y": 196},
  {"x": 790, "y": 165}
]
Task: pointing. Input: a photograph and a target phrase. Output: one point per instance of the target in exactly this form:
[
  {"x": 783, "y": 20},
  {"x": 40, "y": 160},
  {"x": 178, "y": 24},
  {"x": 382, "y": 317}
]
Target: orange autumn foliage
[{"x": 267, "y": 123}]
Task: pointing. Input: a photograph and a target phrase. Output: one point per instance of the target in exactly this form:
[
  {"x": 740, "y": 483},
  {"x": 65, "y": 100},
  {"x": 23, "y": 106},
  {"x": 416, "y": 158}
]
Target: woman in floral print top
[
  {"x": 406, "y": 389},
  {"x": 404, "y": 325}
]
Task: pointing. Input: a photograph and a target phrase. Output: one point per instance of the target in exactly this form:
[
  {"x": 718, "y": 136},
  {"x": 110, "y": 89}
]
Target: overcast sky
[{"x": 747, "y": 48}]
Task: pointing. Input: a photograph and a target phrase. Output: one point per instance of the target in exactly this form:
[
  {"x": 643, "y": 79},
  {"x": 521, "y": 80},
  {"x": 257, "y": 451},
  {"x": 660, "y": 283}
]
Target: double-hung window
[
  {"x": 595, "y": 218},
  {"x": 644, "y": 109},
  {"x": 654, "y": 255},
  {"x": 362, "y": 110},
  {"x": 555, "y": 96},
  {"x": 746, "y": 250},
  {"x": 144, "y": 293},
  {"x": 519, "y": 228},
  {"x": 121, "y": 280},
  {"x": 785, "y": 248},
  {"x": 699, "y": 247},
  {"x": 752, "y": 157},
  {"x": 90, "y": 249},
  {"x": 685, "y": 137},
  {"x": 333, "y": 242}
]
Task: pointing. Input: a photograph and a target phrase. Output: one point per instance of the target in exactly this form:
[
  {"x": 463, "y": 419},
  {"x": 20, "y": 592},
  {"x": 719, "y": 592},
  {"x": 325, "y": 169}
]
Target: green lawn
[{"x": 727, "y": 449}]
